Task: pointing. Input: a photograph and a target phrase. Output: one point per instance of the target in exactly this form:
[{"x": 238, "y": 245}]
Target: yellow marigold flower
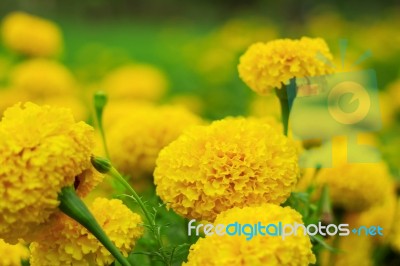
[
  {"x": 354, "y": 250},
  {"x": 42, "y": 149},
  {"x": 382, "y": 215},
  {"x": 31, "y": 35},
  {"x": 135, "y": 139},
  {"x": 11, "y": 255},
  {"x": 265, "y": 66},
  {"x": 65, "y": 242},
  {"x": 138, "y": 82},
  {"x": 233, "y": 162},
  {"x": 395, "y": 237},
  {"x": 260, "y": 250},
  {"x": 353, "y": 186},
  {"x": 42, "y": 78}
]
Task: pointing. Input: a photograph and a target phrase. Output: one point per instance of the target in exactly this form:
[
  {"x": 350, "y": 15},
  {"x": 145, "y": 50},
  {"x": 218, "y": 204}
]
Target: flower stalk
[
  {"x": 73, "y": 206},
  {"x": 286, "y": 96},
  {"x": 100, "y": 100},
  {"x": 104, "y": 166}
]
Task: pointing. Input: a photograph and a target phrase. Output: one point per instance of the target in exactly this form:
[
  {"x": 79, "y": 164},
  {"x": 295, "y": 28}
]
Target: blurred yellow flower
[
  {"x": 353, "y": 186},
  {"x": 65, "y": 242},
  {"x": 136, "y": 137},
  {"x": 42, "y": 149},
  {"x": 229, "y": 250},
  {"x": 31, "y": 35},
  {"x": 11, "y": 255},
  {"x": 382, "y": 215},
  {"x": 11, "y": 96},
  {"x": 233, "y": 162},
  {"x": 265, "y": 66},
  {"x": 42, "y": 78},
  {"x": 353, "y": 250},
  {"x": 136, "y": 82}
]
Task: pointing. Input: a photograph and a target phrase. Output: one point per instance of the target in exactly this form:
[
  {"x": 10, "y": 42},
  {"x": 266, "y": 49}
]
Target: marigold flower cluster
[
  {"x": 31, "y": 35},
  {"x": 261, "y": 250},
  {"x": 233, "y": 162},
  {"x": 65, "y": 242},
  {"x": 42, "y": 150},
  {"x": 265, "y": 66}
]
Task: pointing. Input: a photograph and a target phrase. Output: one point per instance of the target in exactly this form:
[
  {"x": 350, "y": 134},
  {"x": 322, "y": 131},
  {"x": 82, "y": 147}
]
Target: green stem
[
  {"x": 100, "y": 101},
  {"x": 104, "y": 166},
  {"x": 285, "y": 102},
  {"x": 73, "y": 206}
]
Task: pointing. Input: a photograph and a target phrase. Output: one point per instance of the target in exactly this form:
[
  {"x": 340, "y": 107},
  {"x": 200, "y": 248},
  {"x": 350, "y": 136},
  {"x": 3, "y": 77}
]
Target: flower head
[
  {"x": 260, "y": 250},
  {"x": 11, "y": 255},
  {"x": 138, "y": 82},
  {"x": 265, "y": 66},
  {"x": 42, "y": 78},
  {"x": 42, "y": 150},
  {"x": 65, "y": 242},
  {"x": 31, "y": 35},
  {"x": 353, "y": 186},
  {"x": 136, "y": 138},
  {"x": 232, "y": 162}
]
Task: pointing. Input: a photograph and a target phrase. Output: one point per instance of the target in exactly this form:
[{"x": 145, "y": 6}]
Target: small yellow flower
[
  {"x": 260, "y": 250},
  {"x": 136, "y": 137},
  {"x": 31, "y": 35},
  {"x": 11, "y": 255},
  {"x": 65, "y": 242},
  {"x": 42, "y": 149},
  {"x": 42, "y": 78},
  {"x": 232, "y": 162},
  {"x": 136, "y": 82},
  {"x": 265, "y": 66}
]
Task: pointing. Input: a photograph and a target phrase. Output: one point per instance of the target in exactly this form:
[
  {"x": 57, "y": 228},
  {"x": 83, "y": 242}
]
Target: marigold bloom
[
  {"x": 354, "y": 250},
  {"x": 382, "y": 215},
  {"x": 42, "y": 78},
  {"x": 265, "y": 66},
  {"x": 136, "y": 138},
  {"x": 31, "y": 35},
  {"x": 11, "y": 255},
  {"x": 233, "y": 162},
  {"x": 137, "y": 82},
  {"x": 65, "y": 242},
  {"x": 260, "y": 250},
  {"x": 353, "y": 186},
  {"x": 42, "y": 149}
]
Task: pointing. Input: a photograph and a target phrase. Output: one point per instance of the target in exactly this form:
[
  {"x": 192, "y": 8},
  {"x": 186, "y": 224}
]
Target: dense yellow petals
[
  {"x": 234, "y": 162},
  {"x": 65, "y": 242},
  {"x": 229, "y": 250},
  {"x": 42, "y": 149}
]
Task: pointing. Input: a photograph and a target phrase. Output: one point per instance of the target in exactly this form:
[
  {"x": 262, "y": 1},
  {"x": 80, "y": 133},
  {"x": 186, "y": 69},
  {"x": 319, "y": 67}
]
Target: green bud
[
  {"x": 100, "y": 100},
  {"x": 101, "y": 164}
]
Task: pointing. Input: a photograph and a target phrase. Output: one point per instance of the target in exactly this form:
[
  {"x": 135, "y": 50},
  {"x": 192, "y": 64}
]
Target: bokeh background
[{"x": 186, "y": 53}]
